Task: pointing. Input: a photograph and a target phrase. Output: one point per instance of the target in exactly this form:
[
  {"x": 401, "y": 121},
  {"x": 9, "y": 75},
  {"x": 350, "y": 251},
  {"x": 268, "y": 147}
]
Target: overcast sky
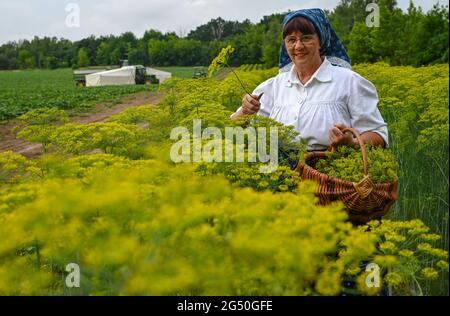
[{"x": 23, "y": 19}]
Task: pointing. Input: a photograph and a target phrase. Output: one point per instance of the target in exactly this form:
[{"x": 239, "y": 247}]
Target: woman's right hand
[{"x": 250, "y": 104}]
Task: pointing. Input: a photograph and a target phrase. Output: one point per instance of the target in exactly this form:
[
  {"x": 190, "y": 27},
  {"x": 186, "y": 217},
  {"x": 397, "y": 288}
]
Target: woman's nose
[{"x": 299, "y": 44}]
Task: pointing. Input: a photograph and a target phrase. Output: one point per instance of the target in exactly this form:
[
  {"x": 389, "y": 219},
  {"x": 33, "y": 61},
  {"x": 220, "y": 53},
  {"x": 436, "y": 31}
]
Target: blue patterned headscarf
[{"x": 330, "y": 45}]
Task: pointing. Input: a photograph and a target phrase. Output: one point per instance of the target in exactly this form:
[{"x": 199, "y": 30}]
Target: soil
[{"x": 98, "y": 113}]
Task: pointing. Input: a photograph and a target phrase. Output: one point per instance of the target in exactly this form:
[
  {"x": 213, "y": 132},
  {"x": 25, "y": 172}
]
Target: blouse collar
[{"x": 322, "y": 74}]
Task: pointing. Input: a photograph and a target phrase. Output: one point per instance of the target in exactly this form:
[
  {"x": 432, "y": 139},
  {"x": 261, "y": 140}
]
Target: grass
[
  {"x": 188, "y": 72},
  {"x": 181, "y": 72}
]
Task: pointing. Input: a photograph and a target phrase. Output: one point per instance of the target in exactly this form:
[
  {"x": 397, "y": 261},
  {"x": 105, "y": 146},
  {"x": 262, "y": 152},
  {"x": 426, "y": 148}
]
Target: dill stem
[{"x": 237, "y": 77}]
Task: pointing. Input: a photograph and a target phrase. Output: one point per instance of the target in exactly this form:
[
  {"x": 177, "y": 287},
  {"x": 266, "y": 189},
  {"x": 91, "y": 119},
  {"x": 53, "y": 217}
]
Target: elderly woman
[{"x": 316, "y": 91}]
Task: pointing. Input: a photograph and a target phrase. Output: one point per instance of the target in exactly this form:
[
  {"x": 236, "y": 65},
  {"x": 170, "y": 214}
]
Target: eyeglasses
[{"x": 305, "y": 39}]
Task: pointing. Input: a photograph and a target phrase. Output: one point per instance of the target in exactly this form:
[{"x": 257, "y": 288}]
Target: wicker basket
[{"x": 364, "y": 201}]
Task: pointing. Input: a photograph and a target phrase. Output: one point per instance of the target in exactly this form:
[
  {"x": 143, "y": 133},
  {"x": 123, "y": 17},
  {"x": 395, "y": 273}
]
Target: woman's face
[{"x": 302, "y": 49}]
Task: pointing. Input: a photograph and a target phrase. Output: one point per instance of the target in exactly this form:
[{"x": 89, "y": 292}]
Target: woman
[{"x": 316, "y": 91}]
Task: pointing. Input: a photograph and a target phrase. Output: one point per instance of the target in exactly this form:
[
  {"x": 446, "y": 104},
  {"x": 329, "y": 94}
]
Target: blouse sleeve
[
  {"x": 267, "y": 99},
  {"x": 363, "y": 107}
]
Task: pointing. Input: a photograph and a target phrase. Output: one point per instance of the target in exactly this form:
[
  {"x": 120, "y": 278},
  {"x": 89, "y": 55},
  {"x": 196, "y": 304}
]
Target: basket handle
[{"x": 361, "y": 146}]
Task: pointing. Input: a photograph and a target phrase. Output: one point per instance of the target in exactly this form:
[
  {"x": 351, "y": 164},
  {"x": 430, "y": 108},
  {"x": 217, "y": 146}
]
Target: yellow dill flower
[
  {"x": 388, "y": 247},
  {"x": 352, "y": 271},
  {"x": 386, "y": 261},
  {"x": 442, "y": 265},
  {"x": 220, "y": 60},
  {"x": 418, "y": 229},
  {"x": 329, "y": 281},
  {"x": 393, "y": 279},
  {"x": 430, "y": 237},
  {"x": 424, "y": 247},
  {"x": 392, "y": 236},
  {"x": 439, "y": 253},
  {"x": 406, "y": 253},
  {"x": 429, "y": 273}
]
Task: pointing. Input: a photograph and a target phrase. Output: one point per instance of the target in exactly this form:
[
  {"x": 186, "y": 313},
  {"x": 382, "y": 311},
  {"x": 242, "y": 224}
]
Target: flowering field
[{"x": 107, "y": 197}]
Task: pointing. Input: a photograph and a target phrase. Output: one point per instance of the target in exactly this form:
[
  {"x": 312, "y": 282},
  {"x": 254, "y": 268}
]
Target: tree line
[{"x": 413, "y": 38}]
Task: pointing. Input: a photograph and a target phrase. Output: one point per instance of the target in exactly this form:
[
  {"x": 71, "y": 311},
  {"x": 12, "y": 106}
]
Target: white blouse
[{"x": 332, "y": 95}]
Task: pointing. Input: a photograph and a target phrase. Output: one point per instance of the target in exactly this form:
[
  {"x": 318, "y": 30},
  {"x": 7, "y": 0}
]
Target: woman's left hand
[{"x": 338, "y": 138}]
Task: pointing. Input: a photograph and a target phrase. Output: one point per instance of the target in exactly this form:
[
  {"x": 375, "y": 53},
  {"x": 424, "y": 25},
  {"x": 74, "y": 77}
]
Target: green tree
[
  {"x": 156, "y": 52},
  {"x": 26, "y": 61},
  {"x": 349, "y": 12},
  {"x": 432, "y": 37},
  {"x": 83, "y": 59},
  {"x": 219, "y": 29},
  {"x": 103, "y": 54},
  {"x": 248, "y": 47},
  {"x": 360, "y": 47},
  {"x": 272, "y": 43},
  {"x": 4, "y": 62},
  {"x": 116, "y": 56},
  {"x": 51, "y": 62}
]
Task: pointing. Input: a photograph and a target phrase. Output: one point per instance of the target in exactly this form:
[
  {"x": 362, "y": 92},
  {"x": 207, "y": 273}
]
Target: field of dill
[{"x": 109, "y": 199}]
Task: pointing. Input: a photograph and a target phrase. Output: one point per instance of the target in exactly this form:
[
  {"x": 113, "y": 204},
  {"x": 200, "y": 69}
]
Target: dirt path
[{"x": 98, "y": 113}]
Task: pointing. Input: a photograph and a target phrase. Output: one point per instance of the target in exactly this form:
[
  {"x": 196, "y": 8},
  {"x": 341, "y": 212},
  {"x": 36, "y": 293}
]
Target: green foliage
[
  {"x": 230, "y": 91},
  {"x": 185, "y": 72},
  {"x": 174, "y": 51},
  {"x": 250, "y": 67},
  {"x": 83, "y": 59},
  {"x": 44, "y": 116},
  {"x": 411, "y": 38},
  {"x": 110, "y": 137},
  {"x": 38, "y": 134},
  {"x": 346, "y": 164},
  {"x": 135, "y": 115},
  {"x": 12, "y": 166},
  {"x": 219, "y": 29},
  {"x": 38, "y": 125},
  {"x": 156, "y": 121},
  {"x": 248, "y": 173},
  {"x": 23, "y": 91}
]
